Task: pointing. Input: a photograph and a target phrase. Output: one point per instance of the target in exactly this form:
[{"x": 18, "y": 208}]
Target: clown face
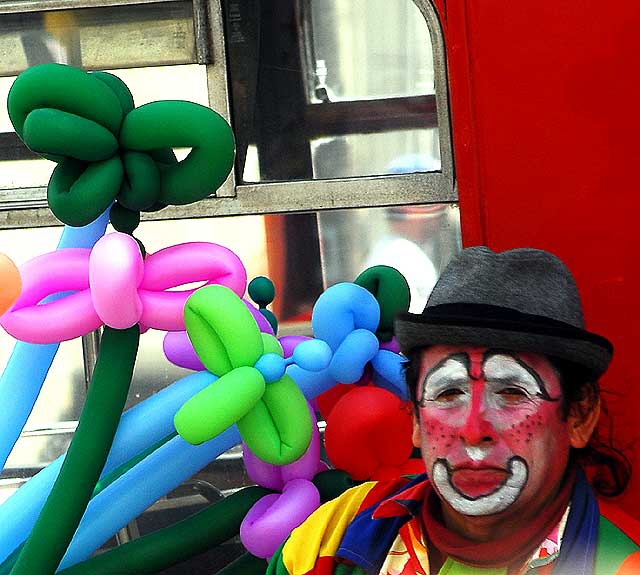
[{"x": 490, "y": 428}]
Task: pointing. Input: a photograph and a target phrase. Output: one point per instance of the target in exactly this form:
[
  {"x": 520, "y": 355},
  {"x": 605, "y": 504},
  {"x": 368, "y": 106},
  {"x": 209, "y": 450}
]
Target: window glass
[
  {"x": 98, "y": 38},
  {"x": 51, "y": 423},
  {"x": 331, "y": 88}
]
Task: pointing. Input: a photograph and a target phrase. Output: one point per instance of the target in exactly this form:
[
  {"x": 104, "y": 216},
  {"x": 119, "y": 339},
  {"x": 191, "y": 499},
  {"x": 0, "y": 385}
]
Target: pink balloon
[
  {"x": 113, "y": 286},
  {"x": 181, "y": 264},
  {"x": 115, "y": 272},
  {"x": 59, "y": 320},
  {"x": 271, "y": 520}
]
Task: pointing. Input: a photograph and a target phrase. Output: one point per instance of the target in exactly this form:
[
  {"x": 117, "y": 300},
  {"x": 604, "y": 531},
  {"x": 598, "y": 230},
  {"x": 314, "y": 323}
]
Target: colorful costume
[{"x": 376, "y": 529}]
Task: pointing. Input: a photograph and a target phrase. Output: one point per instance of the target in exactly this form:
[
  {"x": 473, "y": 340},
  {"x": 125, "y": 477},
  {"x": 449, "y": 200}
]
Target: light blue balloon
[
  {"x": 140, "y": 427},
  {"x": 388, "y": 373},
  {"x": 157, "y": 474},
  {"x": 271, "y": 366},
  {"x": 312, "y": 383},
  {"x": 29, "y": 363},
  {"x": 133, "y": 492},
  {"x": 341, "y": 309},
  {"x": 352, "y": 355},
  {"x": 312, "y": 355}
]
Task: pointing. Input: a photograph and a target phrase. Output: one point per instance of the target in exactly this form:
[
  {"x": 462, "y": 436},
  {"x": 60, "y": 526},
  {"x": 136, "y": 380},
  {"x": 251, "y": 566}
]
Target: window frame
[{"x": 27, "y": 207}]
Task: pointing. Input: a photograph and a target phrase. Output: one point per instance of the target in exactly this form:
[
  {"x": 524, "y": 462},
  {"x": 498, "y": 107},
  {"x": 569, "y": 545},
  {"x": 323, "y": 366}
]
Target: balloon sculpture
[{"x": 114, "y": 161}]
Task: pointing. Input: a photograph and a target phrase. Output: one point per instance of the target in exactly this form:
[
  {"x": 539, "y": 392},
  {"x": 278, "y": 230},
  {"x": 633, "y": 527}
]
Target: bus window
[{"x": 331, "y": 89}]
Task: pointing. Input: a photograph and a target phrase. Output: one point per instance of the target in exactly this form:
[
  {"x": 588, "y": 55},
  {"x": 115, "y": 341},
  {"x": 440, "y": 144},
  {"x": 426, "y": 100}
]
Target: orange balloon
[{"x": 10, "y": 283}]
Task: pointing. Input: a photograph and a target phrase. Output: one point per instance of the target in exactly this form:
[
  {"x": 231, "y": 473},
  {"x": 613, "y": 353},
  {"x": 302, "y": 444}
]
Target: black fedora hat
[{"x": 523, "y": 300}]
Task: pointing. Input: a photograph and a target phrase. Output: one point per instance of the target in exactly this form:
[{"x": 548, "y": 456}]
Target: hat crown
[{"x": 528, "y": 280}]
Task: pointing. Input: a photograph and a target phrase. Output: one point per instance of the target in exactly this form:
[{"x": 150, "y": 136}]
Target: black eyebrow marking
[
  {"x": 460, "y": 357},
  {"x": 542, "y": 390}
]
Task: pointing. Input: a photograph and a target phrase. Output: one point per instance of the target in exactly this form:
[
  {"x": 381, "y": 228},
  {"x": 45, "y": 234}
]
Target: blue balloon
[
  {"x": 29, "y": 363},
  {"x": 341, "y": 309},
  {"x": 312, "y": 355},
  {"x": 159, "y": 473},
  {"x": 133, "y": 492},
  {"x": 388, "y": 373},
  {"x": 140, "y": 427},
  {"x": 312, "y": 383},
  {"x": 353, "y": 354},
  {"x": 271, "y": 366}
]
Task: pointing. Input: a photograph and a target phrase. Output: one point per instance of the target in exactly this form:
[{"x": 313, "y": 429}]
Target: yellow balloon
[{"x": 10, "y": 283}]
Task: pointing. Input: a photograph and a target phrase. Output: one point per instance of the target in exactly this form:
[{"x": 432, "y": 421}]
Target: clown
[{"x": 503, "y": 378}]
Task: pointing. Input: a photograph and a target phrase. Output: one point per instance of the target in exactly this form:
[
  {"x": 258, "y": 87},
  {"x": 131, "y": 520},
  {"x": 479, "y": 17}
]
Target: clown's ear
[{"x": 582, "y": 421}]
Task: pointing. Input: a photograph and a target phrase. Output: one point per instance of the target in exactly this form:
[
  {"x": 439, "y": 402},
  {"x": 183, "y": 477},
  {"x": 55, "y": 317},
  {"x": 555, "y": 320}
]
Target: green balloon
[
  {"x": 246, "y": 564},
  {"x": 78, "y": 192},
  {"x": 219, "y": 405},
  {"x": 278, "y": 428},
  {"x": 261, "y": 290},
  {"x": 333, "y": 482},
  {"x": 180, "y": 124},
  {"x": 119, "y": 88},
  {"x": 141, "y": 187},
  {"x": 123, "y": 220},
  {"x": 196, "y": 534},
  {"x": 271, "y": 344},
  {"x": 391, "y": 290},
  {"x": 50, "y": 131},
  {"x": 67, "y": 89},
  {"x": 85, "y": 458},
  {"x": 222, "y": 329}
]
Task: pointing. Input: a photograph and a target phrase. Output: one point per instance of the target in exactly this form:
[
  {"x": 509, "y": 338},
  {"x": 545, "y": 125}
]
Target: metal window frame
[{"x": 27, "y": 207}]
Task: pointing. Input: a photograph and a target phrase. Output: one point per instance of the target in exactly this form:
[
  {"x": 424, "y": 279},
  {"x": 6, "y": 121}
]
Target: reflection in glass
[
  {"x": 98, "y": 38},
  {"x": 418, "y": 241},
  {"x": 331, "y": 88}
]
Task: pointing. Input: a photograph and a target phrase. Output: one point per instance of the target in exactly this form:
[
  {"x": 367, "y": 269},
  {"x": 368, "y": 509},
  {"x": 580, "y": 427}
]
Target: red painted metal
[{"x": 545, "y": 100}]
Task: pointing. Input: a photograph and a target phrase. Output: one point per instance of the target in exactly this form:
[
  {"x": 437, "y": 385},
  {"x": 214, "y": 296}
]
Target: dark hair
[{"x": 608, "y": 468}]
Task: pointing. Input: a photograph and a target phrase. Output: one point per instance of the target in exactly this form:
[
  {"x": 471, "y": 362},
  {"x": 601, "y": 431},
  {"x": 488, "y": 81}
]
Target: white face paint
[
  {"x": 489, "y": 504},
  {"x": 488, "y": 423}
]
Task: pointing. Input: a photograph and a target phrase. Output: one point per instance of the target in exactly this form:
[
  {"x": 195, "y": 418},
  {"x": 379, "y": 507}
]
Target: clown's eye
[
  {"x": 449, "y": 394},
  {"x": 512, "y": 394}
]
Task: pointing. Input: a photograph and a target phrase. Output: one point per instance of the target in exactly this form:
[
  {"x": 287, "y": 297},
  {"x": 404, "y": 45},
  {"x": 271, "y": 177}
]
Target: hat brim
[{"x": 498, "y": 327}]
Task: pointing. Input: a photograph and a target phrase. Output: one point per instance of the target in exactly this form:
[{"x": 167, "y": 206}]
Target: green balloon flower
[
  {"x": 272, "y": 416},
  {"x": 108, "y": 150}
]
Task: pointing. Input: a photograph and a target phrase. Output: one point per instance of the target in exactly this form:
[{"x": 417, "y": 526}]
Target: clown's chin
[{"x": 501, "y": 497}]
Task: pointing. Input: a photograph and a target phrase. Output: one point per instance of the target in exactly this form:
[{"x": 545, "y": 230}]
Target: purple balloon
[
  {"x": 276, "y": 476},
  {"x": 271, "y": 520},
  {"x": 390, "y": 345},
  {"x": 263, "y": 473},
  {"x": 263, "y": 323},
  {"x": 289, "y": 343},
  {"x": 179, "y": 351}
]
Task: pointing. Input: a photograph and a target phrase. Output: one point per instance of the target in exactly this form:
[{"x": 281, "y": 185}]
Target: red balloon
[{"x": 368, "y": 434}]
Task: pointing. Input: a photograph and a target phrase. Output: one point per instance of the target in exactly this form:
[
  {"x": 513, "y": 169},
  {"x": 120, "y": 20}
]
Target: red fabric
[{"x": 508, "y": 550}]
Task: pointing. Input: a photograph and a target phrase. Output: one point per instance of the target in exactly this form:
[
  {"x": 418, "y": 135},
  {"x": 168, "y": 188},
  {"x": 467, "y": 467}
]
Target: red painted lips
[{"x": 478, "y": 482}]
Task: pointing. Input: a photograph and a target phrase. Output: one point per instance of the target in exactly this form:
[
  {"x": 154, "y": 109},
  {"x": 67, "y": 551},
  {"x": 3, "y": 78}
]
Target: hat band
[{"x": 502, "y": 318}]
